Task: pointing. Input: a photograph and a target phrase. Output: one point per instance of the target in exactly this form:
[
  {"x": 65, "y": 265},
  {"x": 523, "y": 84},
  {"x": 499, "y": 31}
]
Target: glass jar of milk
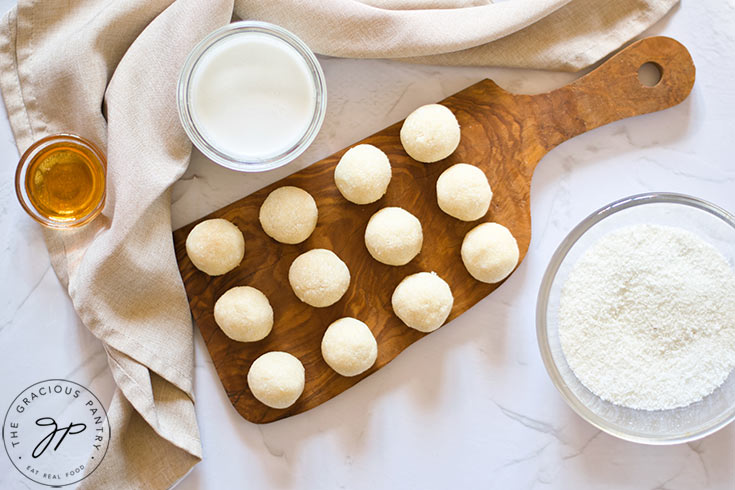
[{"x": 251, "y": 96}]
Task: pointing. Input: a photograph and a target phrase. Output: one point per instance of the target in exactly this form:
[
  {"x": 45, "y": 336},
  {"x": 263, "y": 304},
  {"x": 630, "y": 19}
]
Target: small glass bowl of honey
[{"x": 60, "y": 181}]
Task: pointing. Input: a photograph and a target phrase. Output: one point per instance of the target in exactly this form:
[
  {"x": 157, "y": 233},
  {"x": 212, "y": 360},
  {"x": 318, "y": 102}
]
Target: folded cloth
[
  {"x": 545, "y": 34},
  {"x": 107, "y": 70}
]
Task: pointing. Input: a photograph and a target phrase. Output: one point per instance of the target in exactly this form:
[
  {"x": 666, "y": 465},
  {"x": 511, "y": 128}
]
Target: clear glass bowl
[
  {"x": 183, "y": 96},
  {"x": 678, "y": 425},
  {"x": 89, "y": 152}
]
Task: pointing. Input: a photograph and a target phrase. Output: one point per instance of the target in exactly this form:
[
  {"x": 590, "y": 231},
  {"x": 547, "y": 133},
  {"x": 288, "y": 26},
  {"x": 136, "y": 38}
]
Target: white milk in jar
[{"x": 252, "y": 96}]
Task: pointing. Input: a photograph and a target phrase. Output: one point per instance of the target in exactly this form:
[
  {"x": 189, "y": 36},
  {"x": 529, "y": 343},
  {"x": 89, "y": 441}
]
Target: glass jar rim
[
  {"x": 201, "y": 142},
  {"x": 28, "y": 157}
]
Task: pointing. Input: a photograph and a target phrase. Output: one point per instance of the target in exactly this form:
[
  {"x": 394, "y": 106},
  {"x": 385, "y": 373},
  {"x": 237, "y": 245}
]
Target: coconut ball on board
[
  {"x": 288, "y": 215},
  {"x": 490, "y": 252},
  {"x": 319, "y": 277},
  {"x": 393, "y": 236},
  {"x": 363, "y": 174},
  {"x": 215, "y": 246},
  {"x": 276, "y": 379},
  {"x": 430, "y": 133},
  {"x": 423, "y": 301},
  {"x": 463, "y": 192},
  {"x": 349, "y": 347},
  {"x": 244, "y": 314}
]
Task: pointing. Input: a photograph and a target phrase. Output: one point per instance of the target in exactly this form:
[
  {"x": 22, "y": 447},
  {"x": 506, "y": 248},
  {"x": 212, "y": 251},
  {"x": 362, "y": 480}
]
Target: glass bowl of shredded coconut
[{"x": 636, "y": 318}]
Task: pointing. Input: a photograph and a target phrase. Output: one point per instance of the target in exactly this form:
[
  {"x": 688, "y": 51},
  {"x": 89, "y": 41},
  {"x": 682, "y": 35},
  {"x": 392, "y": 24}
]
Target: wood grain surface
[{"x": 502, "y": 133}]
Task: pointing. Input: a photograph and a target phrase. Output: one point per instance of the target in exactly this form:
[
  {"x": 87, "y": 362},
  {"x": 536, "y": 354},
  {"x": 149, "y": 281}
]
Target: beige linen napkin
[
  {"x": 107, "y": 70},
  {"x": 546, "y": 34}
]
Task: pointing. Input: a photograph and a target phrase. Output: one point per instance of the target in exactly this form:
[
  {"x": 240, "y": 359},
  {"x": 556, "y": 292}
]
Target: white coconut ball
[
  {"x": 423, "y": 301},
  {"x": 430, "y": 133},
  {"x": 244, "y": 314},
  {"x": 363, "y": 174},
  {"x": 276, "y": 379},
  {"x": 393, "y": 236},
  {"x": 349, "y": 347},
  {"x": 318, "y": 277},
  {"x": 490, "y": 252},
  {"x": 288, "y": 215},
  {"x": 215, "y": 246},
  {"x": 463, "y": 192}
]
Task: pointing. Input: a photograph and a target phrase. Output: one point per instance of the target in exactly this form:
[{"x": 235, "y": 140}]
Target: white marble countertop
[{"x": 470, "y": 406}]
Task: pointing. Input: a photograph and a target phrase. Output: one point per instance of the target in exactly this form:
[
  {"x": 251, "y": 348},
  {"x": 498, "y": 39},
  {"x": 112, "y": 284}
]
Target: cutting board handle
[{"x": 613, "y": 91}]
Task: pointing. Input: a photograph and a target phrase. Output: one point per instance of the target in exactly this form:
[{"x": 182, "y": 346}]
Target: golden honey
[{"x": 63, "y": 181}]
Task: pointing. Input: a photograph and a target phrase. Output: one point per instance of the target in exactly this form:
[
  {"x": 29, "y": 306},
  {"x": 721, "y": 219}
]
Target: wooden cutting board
[{"x": 502, "y": 133}]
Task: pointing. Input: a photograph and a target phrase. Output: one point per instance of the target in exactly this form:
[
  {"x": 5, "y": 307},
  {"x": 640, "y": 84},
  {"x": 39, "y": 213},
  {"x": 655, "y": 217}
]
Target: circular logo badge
[{"x": 56, "y": 432}]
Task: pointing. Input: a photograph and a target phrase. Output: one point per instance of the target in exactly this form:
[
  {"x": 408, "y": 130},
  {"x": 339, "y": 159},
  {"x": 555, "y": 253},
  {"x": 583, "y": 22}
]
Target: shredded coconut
[{"x": 647, "y": 318}]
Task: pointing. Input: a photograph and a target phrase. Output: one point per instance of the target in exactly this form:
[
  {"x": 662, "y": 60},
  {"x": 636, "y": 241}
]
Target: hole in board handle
[{"x": 649, "y": 74}]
